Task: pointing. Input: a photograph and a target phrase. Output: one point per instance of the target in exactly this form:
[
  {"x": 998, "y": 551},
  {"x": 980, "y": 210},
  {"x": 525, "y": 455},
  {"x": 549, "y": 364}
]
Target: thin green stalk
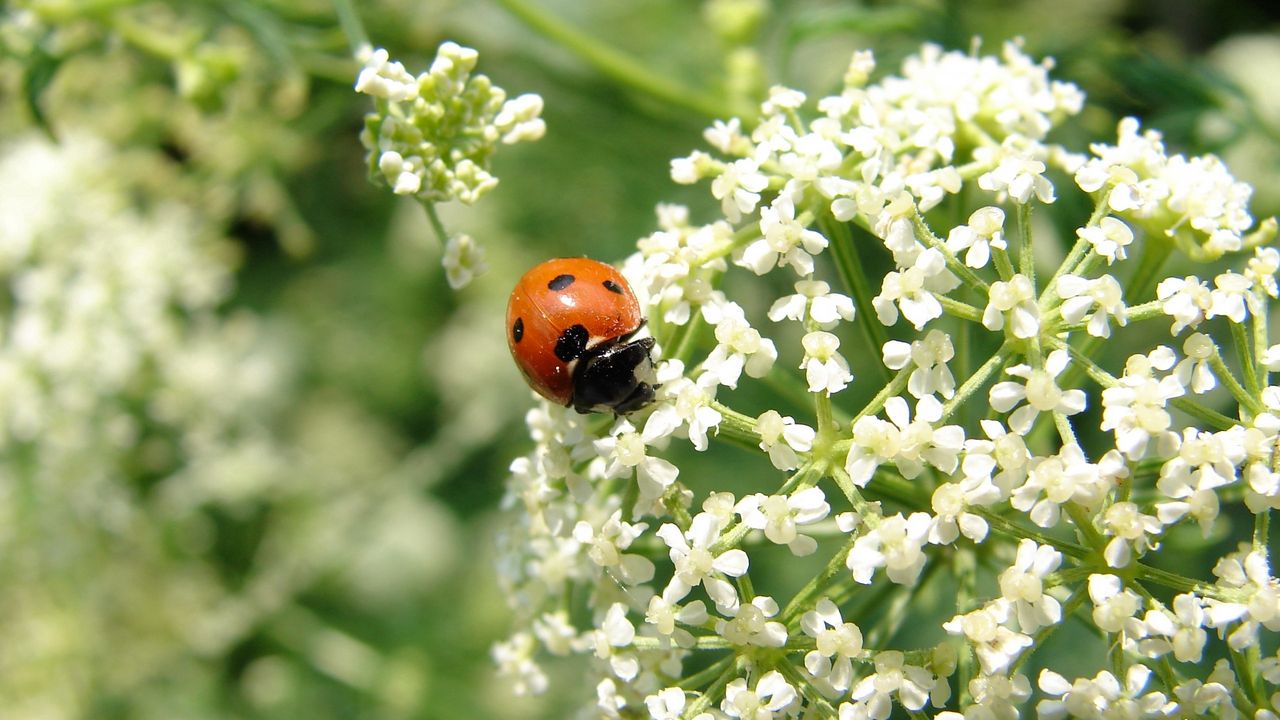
[
  {"x": 1106, "y": 380},
  {"x": 352, "y": 27},
  {"x": 849, "y": 267},
  {"x": 1004, "y": 267},
  {"x": 712, "y": 692},
  {"x": 813, "y": 700},
  {"x": 894, "y": 387},
  {"x": 925, "y": 235},
  {"x": 708, "y": 673},
  {"x": 897, "y": 612},
  {"x": 433, "y": 217},
  {"x": 1026, "y": 258},
  {"x": 801, "y": 599},
  {"x": 1260, "y": 338},
  {"x": 958, "y": 309},
  {"x": 620, "y": 67},
  {"x": 1154, "y": 252},
  {"x": 1245, "y": 353},
  {"x": 979, "y": 378},
  {"x": 1069, "y": 608},
  {"x": 1006, "y": 527},
  {"x": 1228, "y": 378}
]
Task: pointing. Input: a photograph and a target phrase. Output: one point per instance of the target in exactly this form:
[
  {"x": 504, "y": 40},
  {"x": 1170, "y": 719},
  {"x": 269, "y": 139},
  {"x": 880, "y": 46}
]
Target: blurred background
[{"x": 252, "y": 446}]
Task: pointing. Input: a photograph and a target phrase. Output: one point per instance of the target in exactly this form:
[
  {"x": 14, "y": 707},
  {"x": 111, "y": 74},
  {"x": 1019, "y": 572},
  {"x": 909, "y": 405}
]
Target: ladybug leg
[{"x": 608, "y": 379}]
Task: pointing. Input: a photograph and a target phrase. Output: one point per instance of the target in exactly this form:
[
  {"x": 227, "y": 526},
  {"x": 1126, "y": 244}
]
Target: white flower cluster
[
  {"x": 432, "y": 136},
  {"x": 126, "y": 403},
  {"x": 885, "y": 474}
]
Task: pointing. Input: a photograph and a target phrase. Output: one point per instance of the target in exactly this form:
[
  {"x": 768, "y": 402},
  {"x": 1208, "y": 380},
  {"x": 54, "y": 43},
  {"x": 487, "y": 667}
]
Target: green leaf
[{"x": 38, "y": 75}]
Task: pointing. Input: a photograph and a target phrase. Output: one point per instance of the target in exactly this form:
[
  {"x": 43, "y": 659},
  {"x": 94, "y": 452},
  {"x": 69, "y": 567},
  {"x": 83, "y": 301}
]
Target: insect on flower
[{"x": 570, "y": 324}]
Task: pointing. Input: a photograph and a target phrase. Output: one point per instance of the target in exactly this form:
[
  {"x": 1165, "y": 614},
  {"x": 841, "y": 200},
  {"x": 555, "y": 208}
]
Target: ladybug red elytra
[{"x": 569, "y": 326}]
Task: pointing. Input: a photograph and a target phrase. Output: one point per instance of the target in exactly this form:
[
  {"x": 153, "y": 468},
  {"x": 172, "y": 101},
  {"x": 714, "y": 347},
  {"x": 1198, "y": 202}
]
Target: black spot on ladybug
[
  {"x": 517, "y": 330},
  {"x": 572, "y": 343},
  {"x": 560, "y": 282},
  {"x": 612, "y": 287}
]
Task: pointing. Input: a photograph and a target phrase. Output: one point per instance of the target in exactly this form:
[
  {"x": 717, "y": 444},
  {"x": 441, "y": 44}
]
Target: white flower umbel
[
  {"x": 1040, "y": 393},
  {"x": 785, "y": 240},
  {"x": 695, "y": 564},
  {"x": 783, "y": 439},
  {"x": 771, "y": 698},
  {"x": 909, "y": 444},
  {"x": 1101, "y": 696},
  {"x": 873, "y": 695},
  {"x": 1110, "y": 238},
  {"x": 739, "y": 346},
  {"x": 995, "y": 644},
  {"x": 1022, "y": 584},
  {"x": 984, "y": 231},
  {"x": 913, "y": 290},
  {"x": 1095, "y": 302},
  {"x": 753, "y": 624},
  {"x": 825, "y": 369},
  {"x": 463, "y": 260},
  {"x": 896, "y": 544},
  {"x": 780, "y": 516},
  {"x": 813, "y": 301},
  {"x": 930, "y": 357},
  {"x": 432, "y": 136},
  {"x": 837, "y": 644},
  {"x": 1015, "y": 299},
  {"x": 915, "y": 193}
]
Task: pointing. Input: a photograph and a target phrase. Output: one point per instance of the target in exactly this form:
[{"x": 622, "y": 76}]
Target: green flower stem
[
  {"x": 707, "y": 674},
  {"x": 899, "y": 607},
  {"x": 685, "y": 339},
  {"x": 735, "y": 425},
  {"x": 813, "y": 700},
  {"x": 1228, "y": 378},
  {"x": 1106, "y": 380},
  {"x": 1008, "y": 528},
  {"x": 787, "y": 387},
  {"x": 1178, "y": 582},
  {"x": 899, "y": 489},
  {"x": 1083, "y": 521},
  {"x": 1069, "y": 608},
  {"x": 1261, "y": 530},
  {"x": 1154, "y": 252},
  {"x": 925, "y": 235},
  {"x": 964, "y": 568},
  {"x": 851, "y": 493},
  {"x": 849, "y": 267},
  {"x": 800, "y": 601},
  {"x": 1000, "y": 257},
  {"x": 1248, "y": 362},
  {"x": 352, "y": 27},
  {"x": 714, "y": 690},
  {"x": 1063, "y": 424},
  {"x": 1260, "y": 338},
  {"x": 437, "y": 226},
  {"x": 734, "y": 534},
  {"x": 1026, "y": 258},
  {"x": 1250, "y": 684},
  {"x": 993, "y": 365},
  {"x": 958, "y": 309},
  {"x": 876, "y": 404},
  {"x": 622, "y": 68},
  {"x": 741, "y": 236}
]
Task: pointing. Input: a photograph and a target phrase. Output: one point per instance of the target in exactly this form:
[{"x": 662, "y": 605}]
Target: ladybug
[{"x": 570, "y": 323}]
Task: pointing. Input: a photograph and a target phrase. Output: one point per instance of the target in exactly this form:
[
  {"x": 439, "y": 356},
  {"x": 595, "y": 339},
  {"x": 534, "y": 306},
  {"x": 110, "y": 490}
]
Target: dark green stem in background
[{"x": 621, "y": 68}]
